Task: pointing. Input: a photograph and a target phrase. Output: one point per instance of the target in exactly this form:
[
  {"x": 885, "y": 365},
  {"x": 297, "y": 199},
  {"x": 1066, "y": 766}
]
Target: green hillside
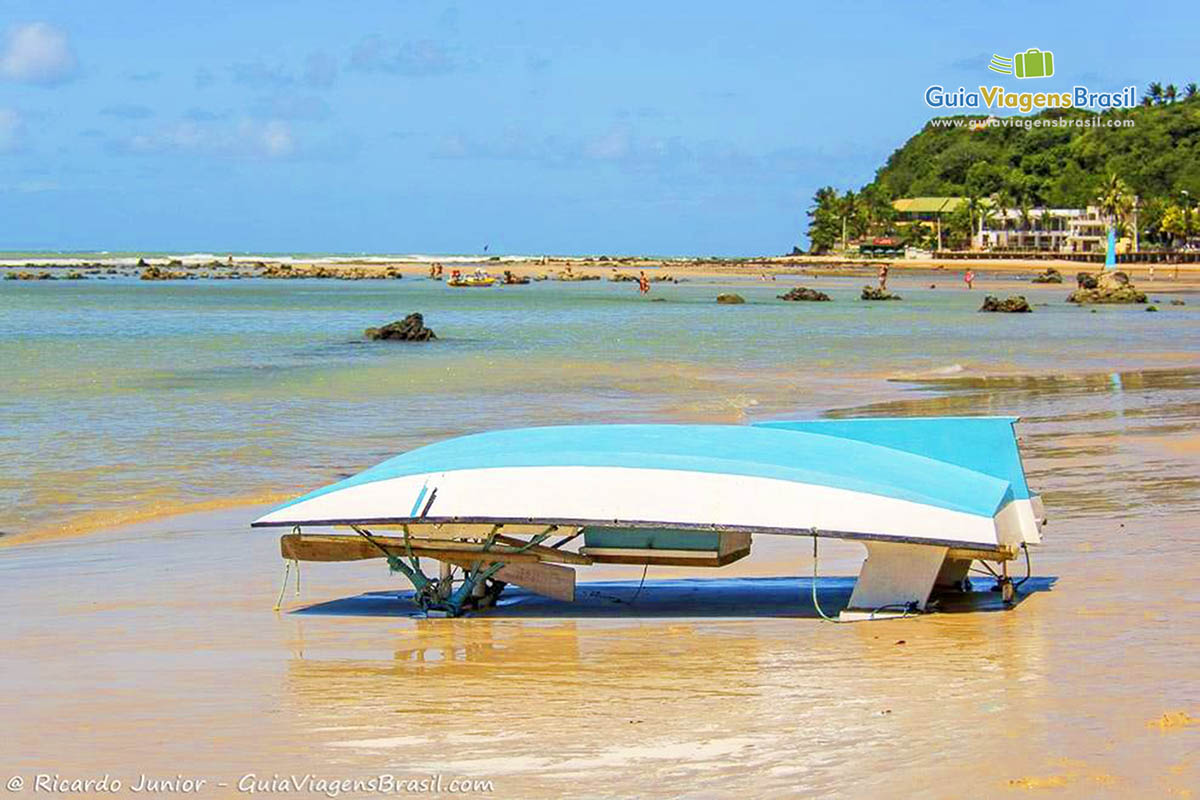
[
  {"x": 1156, "y": 160},
  {"x": 1061, "y": 167}
]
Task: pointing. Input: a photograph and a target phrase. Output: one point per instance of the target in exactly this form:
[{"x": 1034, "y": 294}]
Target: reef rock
[
  {"x": 153, "y": 273},
  {"x": 875, "y": 293},
  {"x": 410, "y": 329},
  {"x": 803, "y": 293},
  {"x": 730, "y": 299},
  {"x": 1051, "y": 275},
  {"x": 1109, "y": 287},
  {"x": 1015, "y": 304}
]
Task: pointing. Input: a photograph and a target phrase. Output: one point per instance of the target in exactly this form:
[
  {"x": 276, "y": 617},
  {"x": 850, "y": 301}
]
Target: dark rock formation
[
  {"x": 730, "y": 299},
  {"x": 875, "y": 293},
  {"x": 1015, "y": 304},
  {"x": 1051, "y": 275},
  {"x": 803, "y": 293},
  {"x": 410, "y": 329},
  {"x": 1109, "y": 287},
  {"x": 1085, "y": 280},
  {"x": 153, "y": 273},
  {"x": 1152, "y": 308}
]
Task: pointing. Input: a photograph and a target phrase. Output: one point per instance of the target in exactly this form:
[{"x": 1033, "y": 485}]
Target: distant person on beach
[
  {"x": 883, "y": 275},
  {"x": 969, "y": 278},
  {"x": 643, "y": 283}
]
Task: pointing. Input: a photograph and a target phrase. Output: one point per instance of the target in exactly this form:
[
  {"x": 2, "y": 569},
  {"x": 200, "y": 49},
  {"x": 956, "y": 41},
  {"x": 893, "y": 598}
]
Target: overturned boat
[{"x": 928, "y": 497}]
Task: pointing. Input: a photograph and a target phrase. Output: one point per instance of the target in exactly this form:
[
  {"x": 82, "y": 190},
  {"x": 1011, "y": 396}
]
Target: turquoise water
[{"x": 122, "y": 394}]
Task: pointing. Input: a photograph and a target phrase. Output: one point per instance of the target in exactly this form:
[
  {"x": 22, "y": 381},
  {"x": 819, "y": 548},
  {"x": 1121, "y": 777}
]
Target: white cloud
[
  {"x": 37, "y": 53},
  {"x": 246, "y": 139},
  {"x": 11, "y": 130}
]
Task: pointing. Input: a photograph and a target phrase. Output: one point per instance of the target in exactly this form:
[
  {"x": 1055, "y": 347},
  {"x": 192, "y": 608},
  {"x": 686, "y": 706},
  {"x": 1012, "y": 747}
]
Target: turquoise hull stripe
[
  {"x": 777, "y": 453},
  {"x": 982, "y": 444}
]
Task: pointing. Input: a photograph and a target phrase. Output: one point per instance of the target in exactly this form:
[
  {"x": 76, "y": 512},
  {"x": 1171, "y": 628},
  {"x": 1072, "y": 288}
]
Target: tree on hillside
[
  {"x": 1155, "y": 92},
  {"x": 958, "y": 227},
  {"x": 1170, "y": 93},
  {"x": 877, "y": 211},
  {"x": 1178, "y": 223},
  {"x": 1190, "y": 91}
]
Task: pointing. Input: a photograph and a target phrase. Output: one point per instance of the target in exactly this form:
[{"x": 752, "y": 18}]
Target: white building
[{"x": 1058, "y": 230}]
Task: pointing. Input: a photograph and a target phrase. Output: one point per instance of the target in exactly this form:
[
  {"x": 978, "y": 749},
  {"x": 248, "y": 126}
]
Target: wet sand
[{"x": 153, "y": 649}]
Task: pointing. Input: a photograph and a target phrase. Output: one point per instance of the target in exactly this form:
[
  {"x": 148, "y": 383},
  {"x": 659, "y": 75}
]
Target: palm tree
[
  {"x": 1114, "y": 200},
  {"x": 1146, "y": 101},
  {"x": 850, "y": 208},
  {"x": 1190, "y": 91},
  {"x": 1025, "y": 215},
  {"x": 987, "y": 213},
  {"x": 823, "y": 216},
  {"x": 974, "y": 205},
  {"x": 1170, "y": 93},
  {"x": 1004, "y": 201},
  {"x": 1155, "y": 92}
]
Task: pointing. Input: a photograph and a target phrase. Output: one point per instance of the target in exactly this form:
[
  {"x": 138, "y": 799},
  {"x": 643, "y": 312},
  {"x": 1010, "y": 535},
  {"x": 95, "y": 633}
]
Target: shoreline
[{"x": 569, "y": 268}]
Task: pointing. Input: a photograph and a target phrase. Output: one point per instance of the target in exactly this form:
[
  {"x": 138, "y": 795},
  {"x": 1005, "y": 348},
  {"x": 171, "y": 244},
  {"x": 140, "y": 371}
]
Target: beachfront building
[
  {"x": 927, "y": 211},
  {"x": 1039, "y": 229},
  {"x": 1088, "y": 232},
  {"x": 1047, "y": 230}
]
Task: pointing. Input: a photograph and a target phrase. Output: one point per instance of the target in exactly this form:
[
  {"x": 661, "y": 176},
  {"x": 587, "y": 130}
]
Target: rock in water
[
  {"x": 875, "y": 293},
  {"x": 1109, "y": 287},
  {"x": 410, "y": 329},
  {"x": 1085, "y": 280},
  {"x": 1013, "y": 305},
  {"x": 1051, "y": 275},
  {"x": 802, "y": 293},
  {"x": 730, "y": 299}
]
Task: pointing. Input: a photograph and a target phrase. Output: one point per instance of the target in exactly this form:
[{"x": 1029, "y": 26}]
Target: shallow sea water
[{"x": 153, "y": 648}]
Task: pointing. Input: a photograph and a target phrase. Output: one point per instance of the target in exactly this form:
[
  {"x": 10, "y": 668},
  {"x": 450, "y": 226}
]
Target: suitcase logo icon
[{"x": 1033, "y": 63}]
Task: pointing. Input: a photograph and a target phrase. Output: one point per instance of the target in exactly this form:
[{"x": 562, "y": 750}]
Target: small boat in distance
[
  {"x": 479, "y": 277},
  {"x": 927, "y": 497}
]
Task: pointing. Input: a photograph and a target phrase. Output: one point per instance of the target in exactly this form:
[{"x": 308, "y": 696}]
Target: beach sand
[
  {"x": 991, "y": 272},
  {"x": 153, "y": 649}
]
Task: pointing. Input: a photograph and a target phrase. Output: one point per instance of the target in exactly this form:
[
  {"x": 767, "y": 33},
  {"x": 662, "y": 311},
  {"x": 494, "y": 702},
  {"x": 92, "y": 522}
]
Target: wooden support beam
[
  {"x": 545, "y": 553},
  {"x": 319, "y": 547}
]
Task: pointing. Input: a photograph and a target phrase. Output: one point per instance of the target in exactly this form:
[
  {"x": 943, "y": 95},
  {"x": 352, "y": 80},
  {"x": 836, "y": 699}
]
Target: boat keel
[{"x": 896, "y": 580}]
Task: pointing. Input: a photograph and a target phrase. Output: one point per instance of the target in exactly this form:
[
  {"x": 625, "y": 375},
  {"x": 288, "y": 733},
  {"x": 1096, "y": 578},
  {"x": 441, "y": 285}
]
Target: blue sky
[{"x": 531, "y": 127}]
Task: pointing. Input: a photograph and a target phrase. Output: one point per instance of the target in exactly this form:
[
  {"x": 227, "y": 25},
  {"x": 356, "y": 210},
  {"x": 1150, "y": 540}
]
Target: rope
[
  {"x": 816, "y": 604},
  {"x": 1028, "y": 567},
  {"x": 287, "y": 570},
  {"x": 633, "y": 599}
]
